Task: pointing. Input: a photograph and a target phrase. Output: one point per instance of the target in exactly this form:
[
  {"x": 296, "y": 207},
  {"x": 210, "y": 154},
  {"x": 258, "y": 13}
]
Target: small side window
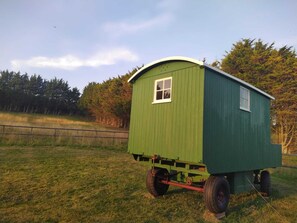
[
  {"x": 162, "y": 90},
  {"x": 244, "y": 99}
]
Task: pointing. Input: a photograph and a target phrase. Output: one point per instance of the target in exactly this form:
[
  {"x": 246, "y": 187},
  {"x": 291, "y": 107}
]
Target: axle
[{"x": 199, "y": 189}]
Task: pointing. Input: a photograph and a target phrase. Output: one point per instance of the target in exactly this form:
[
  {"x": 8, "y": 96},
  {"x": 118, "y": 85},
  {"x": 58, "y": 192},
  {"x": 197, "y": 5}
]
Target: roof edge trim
[
  {"x": 164, "y": 60},
  {"x": 239, "y": 80},
  {"x": 181, "y": 58}
]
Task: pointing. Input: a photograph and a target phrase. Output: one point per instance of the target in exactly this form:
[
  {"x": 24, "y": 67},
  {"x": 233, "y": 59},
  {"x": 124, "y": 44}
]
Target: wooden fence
[{"x": 35, "y": 134}]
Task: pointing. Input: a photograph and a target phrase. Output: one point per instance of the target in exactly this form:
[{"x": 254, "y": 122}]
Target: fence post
[
  {"x": 114, "y": 136},
  {"x": 31, "y": 134},
  {"x": 55, "y": 136},
  {"x": 3, "y": 132}
]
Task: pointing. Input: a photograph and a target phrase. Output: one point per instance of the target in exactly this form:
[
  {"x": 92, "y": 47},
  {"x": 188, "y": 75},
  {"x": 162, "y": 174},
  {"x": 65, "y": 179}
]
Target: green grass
[
  {"x": 290, "y": 160},
  {"x": 54, "y": 137},
  {"x": 15, "y": 118},
  {"x": 65, "y": 184},
  {"x": 55, "y": 121}
]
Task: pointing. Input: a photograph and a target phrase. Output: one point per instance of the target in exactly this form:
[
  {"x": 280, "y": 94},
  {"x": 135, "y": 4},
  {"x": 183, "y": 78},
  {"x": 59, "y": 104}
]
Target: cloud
[
  {"x": 170, "y": 5},
  {"x": 121, "y": 28},
  {"x": 166, "y": 9},
  {"x": 70, "y": 62}
]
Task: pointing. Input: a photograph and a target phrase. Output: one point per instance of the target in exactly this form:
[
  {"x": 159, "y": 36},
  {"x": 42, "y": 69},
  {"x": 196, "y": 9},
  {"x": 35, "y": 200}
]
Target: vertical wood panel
[
  {"x": 172, "y": 130},
  {"x": 235, "y": 140}
]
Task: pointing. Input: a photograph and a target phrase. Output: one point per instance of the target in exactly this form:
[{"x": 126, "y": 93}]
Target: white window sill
[
  {"x": 244, "y": 109},
  {"x": 161, "y": 101}
]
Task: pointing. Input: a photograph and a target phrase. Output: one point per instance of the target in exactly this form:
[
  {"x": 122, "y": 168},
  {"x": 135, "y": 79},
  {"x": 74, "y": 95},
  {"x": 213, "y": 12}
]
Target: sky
[{"x": 83, "y": 41}]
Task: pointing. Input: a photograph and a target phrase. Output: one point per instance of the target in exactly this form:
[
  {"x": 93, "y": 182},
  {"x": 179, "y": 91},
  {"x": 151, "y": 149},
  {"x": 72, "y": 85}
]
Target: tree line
[
  {"x": 33, "y": 94},
  {"x": 110, "y": 101}
]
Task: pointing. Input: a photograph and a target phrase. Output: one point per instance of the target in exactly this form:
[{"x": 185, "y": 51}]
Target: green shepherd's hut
[{"x": 202, "y": 129}]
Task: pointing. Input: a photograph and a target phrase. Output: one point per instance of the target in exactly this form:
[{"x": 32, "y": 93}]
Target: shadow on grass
[
  {"x": 248, "y": 203},
  {"x": 177, "y": 190},
  {"x": 239, "y": 204},
  {"x": 283, "y": 186}
]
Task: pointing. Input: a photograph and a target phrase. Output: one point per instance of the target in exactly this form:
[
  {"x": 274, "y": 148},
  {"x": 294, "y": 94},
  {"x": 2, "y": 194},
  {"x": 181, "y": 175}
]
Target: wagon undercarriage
[{"x": 216, "y": 187}]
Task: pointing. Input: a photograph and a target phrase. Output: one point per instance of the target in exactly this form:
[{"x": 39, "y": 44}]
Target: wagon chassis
[
  {"x": 216, "y": 188},
  {"x": 179, "y": 171}
]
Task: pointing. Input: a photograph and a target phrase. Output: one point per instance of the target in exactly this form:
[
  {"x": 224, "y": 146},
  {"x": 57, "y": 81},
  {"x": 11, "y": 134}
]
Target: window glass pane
[
  {"x": 163, "y": 90},
  {"x": 241, "y": 92},
  {"x": 244, "y": 98},
  {"x": 159, "y": 85},
  {"x": 246, "y": 94},
  {"x": 167, "y": 94},
  {"x": 167, "y": 83},
  {"x": 245, "y": 104},
  {"x": 159, "y": 95}
]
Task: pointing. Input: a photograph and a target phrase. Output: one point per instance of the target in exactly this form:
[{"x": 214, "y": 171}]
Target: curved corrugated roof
[{"x": 200, "y": 63}]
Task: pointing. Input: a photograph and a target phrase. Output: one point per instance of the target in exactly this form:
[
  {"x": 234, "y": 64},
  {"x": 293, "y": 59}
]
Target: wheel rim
[
  {"x": 221, "y": 197},
  {"x": 160, "y": 187}
]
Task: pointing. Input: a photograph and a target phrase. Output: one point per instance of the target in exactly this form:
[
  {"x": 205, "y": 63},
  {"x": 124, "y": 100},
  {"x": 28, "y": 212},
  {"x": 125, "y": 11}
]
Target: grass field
[
  {"x": 290, "y": 160},
  {"x": 24, "y": 119},
  {"x": 64, "y": 184},
  {"x": 56, "y": 130}
]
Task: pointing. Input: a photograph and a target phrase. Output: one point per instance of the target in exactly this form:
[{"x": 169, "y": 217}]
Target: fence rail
[
  {"x": 88, "y": 136},
  {"x": 287, "y": 166},
  {"x": 289, "y": 154}
]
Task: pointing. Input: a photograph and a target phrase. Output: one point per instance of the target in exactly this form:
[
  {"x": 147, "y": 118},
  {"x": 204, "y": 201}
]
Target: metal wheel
[
  {"x": 265, "y": 185},
  {"x": 216, "y": 194},
  {"x": 153, "y": 181}
]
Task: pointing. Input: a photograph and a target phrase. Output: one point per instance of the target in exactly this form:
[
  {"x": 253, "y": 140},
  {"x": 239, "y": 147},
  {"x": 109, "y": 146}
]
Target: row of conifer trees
[{"x": 33, "y": 94}]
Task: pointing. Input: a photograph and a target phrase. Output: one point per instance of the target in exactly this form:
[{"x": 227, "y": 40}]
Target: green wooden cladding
[
  {"x": 235, "y": 139},
  {"x": 173, "y": 129},
  {"x": 203, "y": 123}
]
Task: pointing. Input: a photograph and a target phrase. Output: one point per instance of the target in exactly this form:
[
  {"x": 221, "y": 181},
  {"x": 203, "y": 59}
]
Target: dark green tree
[
  {"x": 21, "y": 93},
  {"x": 110, "y": 101}
]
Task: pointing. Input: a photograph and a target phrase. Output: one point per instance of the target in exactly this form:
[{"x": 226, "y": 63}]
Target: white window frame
[
  {"x": 248, "y": 99},
  {"x": 155, "y": 101}
]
